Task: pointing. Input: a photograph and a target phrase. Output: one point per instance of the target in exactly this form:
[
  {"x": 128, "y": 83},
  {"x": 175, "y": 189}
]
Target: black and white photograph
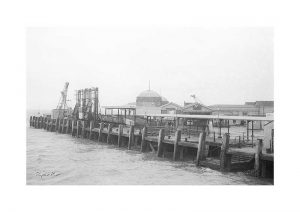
[{"x": 149, "y": 105}]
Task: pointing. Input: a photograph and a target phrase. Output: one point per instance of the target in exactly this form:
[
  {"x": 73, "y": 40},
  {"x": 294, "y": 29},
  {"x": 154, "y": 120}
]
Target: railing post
[
  {"x": 201, "y": 148},
  {"x": 130, "y": 137},
  {"x": 143, "y": 142},
  {"x": 161, "y": 137},
  {"x": 177, "y": 139},
  {"x": 120, "y": 133},
  {"x": 224, "y": 149},
  {"x": 257, "y": 166},
  {"x": 100, "y": 131}
]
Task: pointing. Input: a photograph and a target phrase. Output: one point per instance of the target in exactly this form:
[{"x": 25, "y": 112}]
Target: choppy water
[{"x": 54, "y": 158}]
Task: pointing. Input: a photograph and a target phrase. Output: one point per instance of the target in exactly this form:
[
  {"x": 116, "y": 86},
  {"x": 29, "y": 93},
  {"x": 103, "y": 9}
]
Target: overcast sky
[{"x": 219, "y": 65}]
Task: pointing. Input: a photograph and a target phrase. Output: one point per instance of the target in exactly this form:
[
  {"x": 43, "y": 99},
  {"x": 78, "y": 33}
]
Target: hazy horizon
[{"x": 219, "y": 65}]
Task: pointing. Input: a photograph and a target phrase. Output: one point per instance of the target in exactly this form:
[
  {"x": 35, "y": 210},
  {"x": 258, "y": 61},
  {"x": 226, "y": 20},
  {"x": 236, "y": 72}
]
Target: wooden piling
[
  {"x": 83, "y": 129},
  {"x": 108, "y": 133},
  {"x": 223, "y": 157},
  {"x": 59, "y": 125},
  {"x": 77, "y": 132},
  {"x": 131, "y": 137},
  {"x": 30, "y": 121},
  {"x": 100, "y": 131},
  {"x": 91, "y": 129},
  {"x": 72, "y": 129},
  {"x": 143, "y": 142},
  {"x": 161, "y": 137},
  {"x": 201, "y": 148},
  {"x": 68, "y": 126},
  {"x": 258, "y": 153},
  {"x": 177, "y": 139},
  {"x": 56, "y": 125},
  {"x": 120, "y": 133}
]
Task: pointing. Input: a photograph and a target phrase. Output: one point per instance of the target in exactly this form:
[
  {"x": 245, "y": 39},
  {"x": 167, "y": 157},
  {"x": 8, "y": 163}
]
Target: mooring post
[
  {"x": 100, "y": 131},
  {"x": 82, "y": 128},
  {"x": 143, "y": 142},
  {"x": 177, "y": 139},
  {"x": 161, "y": 137},
  {"x": 258, "y": 153},
  {"x": 78, "y": 127},
  {"x": 108, "y": 133},
  {"x": 68, "y": 126},
  {"x": 59, "y": 125},
  {"x": 56, "y": 125},
  {"x": 201, "y": 148},
  {"x": 131, "y": 137},
  {"x": 30, "y": 121},
  {"x": 91, "y": 130},
  {"x": 72, "y": 129},
  {"x": 120, "y": 133},
  {"x": 224, "y": 149}
]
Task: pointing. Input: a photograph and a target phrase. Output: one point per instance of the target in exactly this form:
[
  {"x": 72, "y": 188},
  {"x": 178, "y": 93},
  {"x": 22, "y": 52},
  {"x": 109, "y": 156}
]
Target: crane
[{"x": 62, "y": 104}]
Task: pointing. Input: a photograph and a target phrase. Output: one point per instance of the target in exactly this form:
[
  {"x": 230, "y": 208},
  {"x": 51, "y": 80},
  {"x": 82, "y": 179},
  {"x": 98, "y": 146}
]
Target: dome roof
[{"x": 149, "y": 93}]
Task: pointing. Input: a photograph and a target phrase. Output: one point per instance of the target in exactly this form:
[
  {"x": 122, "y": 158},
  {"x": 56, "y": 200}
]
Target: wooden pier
[{"x": 203, "y": 151}]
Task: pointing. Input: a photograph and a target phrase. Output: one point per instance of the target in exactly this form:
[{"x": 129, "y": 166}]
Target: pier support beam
[
  {"x": 143, "y": 142},
  {"x": 161, "y": 137},
  {"x": 56, "y": 125},
  {"x": 201, "y": 148},
  {"x": 72, "y": 129},
  {"x": 224, "y": 159},
  {"x": 177, "y": 139},
  {"x": 83, "y": 129},
  {"x": 120, "y": 133},
  {"x": 91, "y": 130},
  {"x": 78, "y": 127},
  {"x": 100, "y": 131},
  {"x": 258, "y": 153},
  {"x": 131, "y": 137},
  {"x": 68, "y": 126},
  {"x": 108, "y": 133}
]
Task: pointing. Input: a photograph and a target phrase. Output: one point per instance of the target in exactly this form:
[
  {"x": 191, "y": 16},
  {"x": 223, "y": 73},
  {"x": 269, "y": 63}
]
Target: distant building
[{"x": 149, "y": 102}]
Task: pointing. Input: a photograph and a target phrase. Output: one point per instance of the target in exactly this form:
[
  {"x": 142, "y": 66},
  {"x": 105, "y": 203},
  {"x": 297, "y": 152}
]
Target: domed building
[{"x": 149, "y": 102}]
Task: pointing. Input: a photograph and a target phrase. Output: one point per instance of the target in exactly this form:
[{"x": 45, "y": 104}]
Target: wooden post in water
[
  {"x": 177, "y": 139},
  {"x": 258, "y": 153},
  {"x": 56, "y": 125},
  {"x": 82, "y": 128},
  {"x": 108, "y": 133},
  {"x": 131, "y": 137},
  {"x": 201, "y": 148},
  {"x": 68, "y": 126},
  {"x": 59, "y": 125},
  {"x": 100, "y": 131},
  {"x": 91, "y": 130},
  {"x": 78, "y": 127},
  {"x": 143, "y": 142},
  {"x": 72, "y": 129},
  {"x": 120, "y": 133},
  {"x": 30, "y": 121},
  {"x": 161, "y": 137},
  {"x": 224, "y": 149}
]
